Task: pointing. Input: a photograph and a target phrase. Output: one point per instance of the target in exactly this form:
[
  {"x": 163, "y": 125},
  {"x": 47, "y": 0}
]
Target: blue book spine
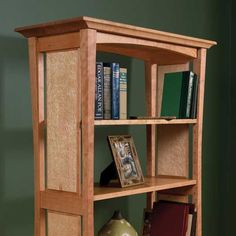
[
  {"x": 99, "y": 91},
  {"x": 115, "y": 91}
]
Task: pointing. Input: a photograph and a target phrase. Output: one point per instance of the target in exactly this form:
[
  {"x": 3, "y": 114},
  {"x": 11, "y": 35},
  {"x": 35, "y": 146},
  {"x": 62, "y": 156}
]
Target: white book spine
[{"x": 107, "y": 92}]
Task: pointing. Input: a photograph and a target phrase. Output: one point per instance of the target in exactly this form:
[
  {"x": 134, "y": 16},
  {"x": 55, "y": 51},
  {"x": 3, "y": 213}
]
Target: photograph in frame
[{"x": 126, "y": 160}]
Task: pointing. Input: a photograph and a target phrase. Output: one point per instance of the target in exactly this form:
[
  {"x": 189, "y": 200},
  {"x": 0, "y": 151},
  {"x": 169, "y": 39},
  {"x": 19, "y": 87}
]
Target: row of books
[
  {"x": 179, "y": 97},
  {"x": 110, "y": 91},
  {"x": 170, "y": 219}
]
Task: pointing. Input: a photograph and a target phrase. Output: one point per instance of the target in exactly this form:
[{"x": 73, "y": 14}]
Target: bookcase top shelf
[{"x": 105, "y": 26}]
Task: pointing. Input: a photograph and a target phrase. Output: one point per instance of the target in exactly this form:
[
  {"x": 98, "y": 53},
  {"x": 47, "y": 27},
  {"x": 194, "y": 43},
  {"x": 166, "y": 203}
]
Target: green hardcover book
[{"x": 177, "y": 94}]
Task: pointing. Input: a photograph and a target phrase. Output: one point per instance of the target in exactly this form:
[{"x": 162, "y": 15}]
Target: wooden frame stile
[
  {"x": 87, "y": 68},
  {"x": 199, "y": 66},
  {"x": 37, "y": 94},
  {"x": 151, "y": 93}
]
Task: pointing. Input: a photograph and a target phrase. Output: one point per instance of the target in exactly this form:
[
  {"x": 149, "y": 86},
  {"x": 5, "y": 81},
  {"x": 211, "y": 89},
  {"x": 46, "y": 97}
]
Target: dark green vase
[{"x": 117, "y": 226}]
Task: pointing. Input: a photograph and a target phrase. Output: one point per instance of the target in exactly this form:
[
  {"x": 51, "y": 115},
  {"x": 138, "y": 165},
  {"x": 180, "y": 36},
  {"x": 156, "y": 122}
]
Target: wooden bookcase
[{"x": 62, "y": 57}]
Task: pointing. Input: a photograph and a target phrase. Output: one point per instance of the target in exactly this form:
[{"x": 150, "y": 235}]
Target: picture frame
[{"x": 126, "y": 160}]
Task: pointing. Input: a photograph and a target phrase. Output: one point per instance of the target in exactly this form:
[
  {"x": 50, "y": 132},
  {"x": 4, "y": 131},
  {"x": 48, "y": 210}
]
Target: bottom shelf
[{"x": 151, "y": 184}]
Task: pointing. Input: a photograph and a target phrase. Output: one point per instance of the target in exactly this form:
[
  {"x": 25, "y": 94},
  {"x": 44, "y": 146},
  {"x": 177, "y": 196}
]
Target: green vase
[{"x": 117, "y": 226}]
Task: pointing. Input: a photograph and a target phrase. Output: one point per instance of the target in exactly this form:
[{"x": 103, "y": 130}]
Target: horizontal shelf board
[
  {"x": 145, "y": 122},
  {"x": 151, "y": 184}
]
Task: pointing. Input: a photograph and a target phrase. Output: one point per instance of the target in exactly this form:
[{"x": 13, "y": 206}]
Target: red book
[{"x": 169, "y": 219}]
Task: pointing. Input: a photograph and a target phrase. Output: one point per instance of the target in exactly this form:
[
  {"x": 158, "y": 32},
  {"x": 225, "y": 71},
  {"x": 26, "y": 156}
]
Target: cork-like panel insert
[
  {"x": 173, "y": 150},
  {"x": 63, "y": 225},
  {"x": 62, "y": 108}
]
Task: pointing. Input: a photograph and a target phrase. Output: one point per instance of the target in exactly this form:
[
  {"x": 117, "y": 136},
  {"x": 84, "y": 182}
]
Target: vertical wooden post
[
  {"x": 199, "y": 66},
  {"x": 151, "y": 100},
  {"x": 87, "y": 70},
  {"x": 37, "y": 94}
]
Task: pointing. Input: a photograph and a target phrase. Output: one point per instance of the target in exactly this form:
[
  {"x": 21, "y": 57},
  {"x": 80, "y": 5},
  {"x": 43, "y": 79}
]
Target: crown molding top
[{"x": 105, "y": 26}]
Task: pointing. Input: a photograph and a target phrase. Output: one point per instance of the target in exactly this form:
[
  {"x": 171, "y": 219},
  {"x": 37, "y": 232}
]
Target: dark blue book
[
  {"x": 193, "y": 112},
  {"x": 99, "y": 91},
  {"x": 186, "y": 94},
  {"x": 115, "y": 91}
]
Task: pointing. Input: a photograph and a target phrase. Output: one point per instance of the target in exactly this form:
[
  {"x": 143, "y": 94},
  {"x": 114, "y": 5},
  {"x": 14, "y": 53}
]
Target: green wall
[
  {"x": 229, "y": 161},
  {"x": 208, "y": 19}
]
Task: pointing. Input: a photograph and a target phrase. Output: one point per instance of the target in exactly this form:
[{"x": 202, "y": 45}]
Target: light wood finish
[
  {"x": 173, "y": 142},
  {"x": 63, "y": 224},
  {"x": 58, "y": 42},
  {"x": 151, "y": 94},
  {"x": 76, "y": 24},
  {"x": 145, "y": 44},
  {"x": 173, "y": 150},
  {"x": 61, "y": 120},
  {"x": 60, "y": 201},
  {"x": 70, "y": 119},
  {"x": 87, "y": 69},
  {"x": 199, "y": 67},
  {"x": 146, "y": 122},
  {"x": 147, "y": 50},
  {"x": 37, "y": 95},
  {"x": 172, "y": 197},
  {"x": 151, "y": 184}
]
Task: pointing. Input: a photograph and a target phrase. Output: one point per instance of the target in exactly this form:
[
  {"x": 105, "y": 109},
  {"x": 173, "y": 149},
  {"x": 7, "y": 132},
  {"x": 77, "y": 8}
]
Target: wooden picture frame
[{"x": 126, "y": 160}]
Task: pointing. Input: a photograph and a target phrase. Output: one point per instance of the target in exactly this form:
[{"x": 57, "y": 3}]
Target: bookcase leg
[
  {"x": 87, "y": 70},
  {"x": 199, "y": 66},
  {"x": 37, "y": 93},
  {"x": 151, "y": 92}
]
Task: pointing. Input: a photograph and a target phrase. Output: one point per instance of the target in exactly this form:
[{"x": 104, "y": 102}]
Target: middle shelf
[
  {"x": 151, "y": 184},
  {"x": 145, "y": 122}
]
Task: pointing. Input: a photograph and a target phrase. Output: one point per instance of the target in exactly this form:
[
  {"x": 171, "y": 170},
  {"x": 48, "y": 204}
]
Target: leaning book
[{"x": 177, "y": 95}]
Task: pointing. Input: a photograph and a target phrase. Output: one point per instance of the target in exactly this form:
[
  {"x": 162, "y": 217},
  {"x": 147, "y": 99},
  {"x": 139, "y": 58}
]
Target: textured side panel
[
  {"x": 173, "y": 150},
  {"x": 63, "y": 225},
  {"x": 62, "y": 120}
]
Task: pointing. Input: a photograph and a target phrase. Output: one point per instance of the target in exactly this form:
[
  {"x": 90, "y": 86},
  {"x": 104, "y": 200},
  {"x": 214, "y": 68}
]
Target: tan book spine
[{"x": 123, "y": 93}]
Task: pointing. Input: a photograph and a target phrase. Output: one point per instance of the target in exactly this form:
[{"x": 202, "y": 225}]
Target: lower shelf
[{"x": 151, "y": 184}]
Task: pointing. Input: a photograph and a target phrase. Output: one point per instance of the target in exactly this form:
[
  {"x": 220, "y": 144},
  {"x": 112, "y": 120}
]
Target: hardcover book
[
  {"x": 115, "y": 91},
  {"x": 193, "y": 112},
  {"x": 107, "y": 91},
  {"x": 186, "y": 94},
  {"x": 99, "y": 91},
  {"x": 177, "y": 94},
  {"x": 123, "y": 93},
  {"x": 169, "y": 219}
]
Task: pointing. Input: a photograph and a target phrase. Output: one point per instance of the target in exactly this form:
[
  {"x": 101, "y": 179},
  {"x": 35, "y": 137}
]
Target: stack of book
[
  {"x": 110, "y": 91},
  {"x": 170, "y": 219},
  {"x": 179, "y": 98}
]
